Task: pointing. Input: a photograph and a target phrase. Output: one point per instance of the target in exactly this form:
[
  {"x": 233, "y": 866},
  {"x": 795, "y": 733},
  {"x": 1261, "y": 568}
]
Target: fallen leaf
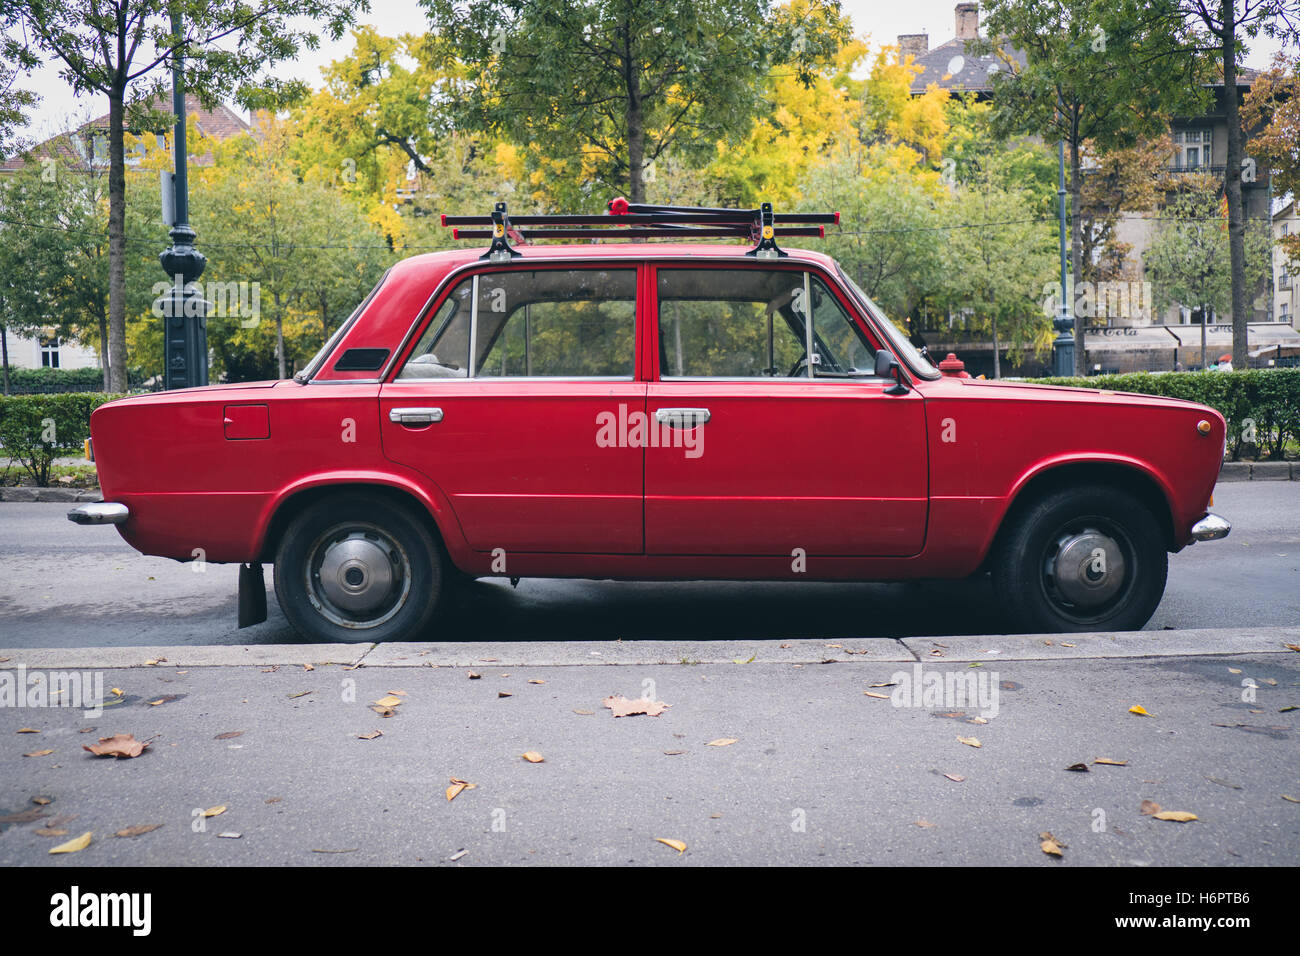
[
  {"x": 119, "y": 745},
  {"x": 977, "y": 720},
  {"x": 39, "y": 753},
  {"x": 889, "y": 683},
  {"x": 228, "y": 735},
  {"x": 302, "y": 693},
  {"x": 162, "y": 700},
  {"x": 73, "y": 846},
  {"x": 382, "y": 711},
  {"x": 1287, "y": 709},
  {"x": 370, "y": 736},
  {"x": 41, "y": 801},
  {"x": 1139, "y": 710},
  {"x": 1271, "y": 682},
  {"x": 722, "y": 742},
  {"x": 1078, "y": 767},
  {"x": 532, "y": 756},
  {"x": 138, "y": 830},
  {"x": 229, "y": 835},
  {"x": 1066, "y": 644},
  {"x": 924, "y": 823},
  {"x": 875, "y": 695},
  {"x": 1149, "y": 808},
  {"x": 1176, "y": 816},
  {"x": 1287, "y": 796},
  {"x": 677, "y": 845},
  {"x": 1111, "y": 763},
  {"x": 308, "y": 667},
  {"x": 455, "y": 789},
  {"x": 389, "y": 701},
  {"x": 970, "y": 741},
  {"x": 504, "y": 693},
  {"x": 51, "y": 832},
  {"x": 674, "y": 753},
  {"x": 1224, "y": 783},
  {"x": 1292, "y": 647},
  {"x": 1234, "y": 670},
  {"x": 273, "y": 799},
  {"x": 536, "y": 681},
  {"x": 351, "y": 850},
  {"x": 585, "y": 713},
  {"x": 456, "y": 856},
  {"x": 27, "y": 730},
  {"x": 620, "y": 706},
  {"x": 215, "y": 811},
  {"x": 473, "y": 676},
  {"x": 955, "y": 777},
  {"x": 1050, "y": 845}
]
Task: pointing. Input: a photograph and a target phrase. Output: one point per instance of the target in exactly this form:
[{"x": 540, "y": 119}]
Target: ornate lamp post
[
  {"x": 1063, "y": 345},
  {"x": 185, "y": 323}
]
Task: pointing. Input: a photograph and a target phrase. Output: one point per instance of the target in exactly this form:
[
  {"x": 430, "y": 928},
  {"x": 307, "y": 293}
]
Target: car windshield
[
  {"x": 311, "y": 368},
  {"x": 902, "y": 347}
]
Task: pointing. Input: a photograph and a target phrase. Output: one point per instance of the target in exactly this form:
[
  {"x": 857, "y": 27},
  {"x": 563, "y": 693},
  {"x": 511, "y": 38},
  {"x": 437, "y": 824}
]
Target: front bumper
[
  {"x": 99, "y": 512},
  {"x": 1211, "y": 528}
]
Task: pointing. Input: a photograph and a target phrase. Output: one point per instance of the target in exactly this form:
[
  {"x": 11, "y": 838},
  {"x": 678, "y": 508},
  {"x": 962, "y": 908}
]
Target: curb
[
  {"x": 1260, "y": 471},
  {"x": 937, "y": 651},
  {"x": 73, "y": 495}
]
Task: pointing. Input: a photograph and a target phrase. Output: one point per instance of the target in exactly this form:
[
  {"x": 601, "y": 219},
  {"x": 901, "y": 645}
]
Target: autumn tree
[
  {"x": 122, "y": 50},
  {"x": 1273, "y": 108},
  {"x": 606, "y": 89}
]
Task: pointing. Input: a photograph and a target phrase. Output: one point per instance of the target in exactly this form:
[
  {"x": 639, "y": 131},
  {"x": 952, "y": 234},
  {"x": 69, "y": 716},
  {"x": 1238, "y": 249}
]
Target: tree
[
  {"x": 605, "y": 89},
  {"x": 1188, "y": 259},
  {"x": 1273, "y": 108},
  {"x": 1215, "y": 33},
  {"x": 1114, "y": 184},
  {"x": 1085, "y": 77},
  {"x": 121, "y": 50}
]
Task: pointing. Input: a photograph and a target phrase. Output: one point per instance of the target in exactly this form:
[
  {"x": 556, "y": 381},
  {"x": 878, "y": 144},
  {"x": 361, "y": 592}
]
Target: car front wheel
[
  {"x": 1082, "y": 559},
  {"x": 358, "y": 567}
]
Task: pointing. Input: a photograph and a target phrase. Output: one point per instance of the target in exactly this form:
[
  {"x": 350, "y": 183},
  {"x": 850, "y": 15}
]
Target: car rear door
[
  {"x": 511, "y": 434},
  {"x": 753, "y": 456}
]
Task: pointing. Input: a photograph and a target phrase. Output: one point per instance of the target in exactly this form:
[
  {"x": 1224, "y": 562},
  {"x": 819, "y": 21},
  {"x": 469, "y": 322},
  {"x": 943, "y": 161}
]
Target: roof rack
[{"x": 626, "y": 220}]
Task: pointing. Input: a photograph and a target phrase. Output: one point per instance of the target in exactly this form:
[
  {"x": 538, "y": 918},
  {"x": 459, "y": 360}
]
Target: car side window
[
  {"x": 751, "y": 323},
  {"x": 545, "y": 323}
]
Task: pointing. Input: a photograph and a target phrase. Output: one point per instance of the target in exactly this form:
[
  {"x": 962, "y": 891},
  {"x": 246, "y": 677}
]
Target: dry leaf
[
  {"x": 229, "y": 836},
  {"x": 924, "y": 823},
  {"x": 674, "y": 753},
  {"x": 1149, "y": 808},
  {"x": 51, "y": 832},
  {"x": 163, "y": 700},
  {"x": 303, "y": 693},
  {"x": 473, "y": 676},
  {"x": 875, "y": 695},
  {"x": 1234, "y": 670},
  {"x": 1050, "y": 845},
  {"x": 1176, "y": 816},
  {"x": 889, "y": 683},
  {"x": 389, "y": 701},
  {"x": 119, "y": 745},
  {"x": 1292, "y": 647},
  {"x": 1111, "y": 763},
  {"x": 382, "y": 711},
  {"x": 39, "y": 753},
  {"x": 370, "y": 736},
  {"x": 138, "y": 830},
  {"x": 1078, "y": 767},
  {"x": 971, "y": 741},
  {"x": 532, "y": 756},
  {"x": 722, "y": 742},
  {"x": 585, "y": 713},
  {"x": 41, "y": 801},
  {"x": 622, "y": 707},
  {"x": 955, "y": 777},
  {"x": 677, "y": 845},
  {"x": 308, "y": 667},
  {"x": 1139, "y": 710},
  {"x": 27, "y": 730},
  {"x": 273, "y": 799},
  {"x": 1287, "y": 796},
  {"x": 977, "y": 720},
  {"x": 228, "y": 735},
  {"x": 455, "y": 789},
  {"x": 536, "y": 681},
  {"x": 73, "y": 846},
  {"x": 504, "y": 693},
  {"x": 215, "y": 811}
]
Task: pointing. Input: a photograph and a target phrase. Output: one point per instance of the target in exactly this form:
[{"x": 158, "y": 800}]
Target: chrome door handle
[
  {"x": 682, "y": 417},
  {"x": 415, "y": 416}
]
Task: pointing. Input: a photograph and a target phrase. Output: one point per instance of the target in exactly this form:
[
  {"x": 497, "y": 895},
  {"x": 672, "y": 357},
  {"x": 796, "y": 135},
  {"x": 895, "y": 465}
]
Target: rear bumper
[
  {"x": 1211, "y": 528},
  {"x": 99, "y": 512}
]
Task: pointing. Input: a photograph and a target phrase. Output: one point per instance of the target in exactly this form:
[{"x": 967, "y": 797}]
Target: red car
[{"x": 650, "y": 411}]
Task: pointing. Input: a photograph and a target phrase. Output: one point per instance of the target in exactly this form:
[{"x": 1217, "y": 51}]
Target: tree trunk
[
  {"x": 1232, "y": 182},
  {"x": 997, "y": 359},
  {"x": 4, "y": 355},
  {"x": 1076, "y": 252},
  {"x": 279, "y": 335},
  {"x": 635, "y": 122},
  {"x": 116, "y": 238}
]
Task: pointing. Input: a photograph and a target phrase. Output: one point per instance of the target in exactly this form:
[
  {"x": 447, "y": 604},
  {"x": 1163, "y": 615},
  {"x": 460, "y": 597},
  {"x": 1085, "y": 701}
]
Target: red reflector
[
  {"x": 455, "y": 233},
  {"x": 837, "y": 219},
  {"x": 444, "y": 219}
]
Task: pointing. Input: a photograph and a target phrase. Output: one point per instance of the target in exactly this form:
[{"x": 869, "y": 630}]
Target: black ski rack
[{"x": 625, "y": 220}]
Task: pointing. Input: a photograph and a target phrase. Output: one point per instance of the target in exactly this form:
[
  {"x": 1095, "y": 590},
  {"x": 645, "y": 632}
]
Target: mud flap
[{"x": 252, "y": 595}]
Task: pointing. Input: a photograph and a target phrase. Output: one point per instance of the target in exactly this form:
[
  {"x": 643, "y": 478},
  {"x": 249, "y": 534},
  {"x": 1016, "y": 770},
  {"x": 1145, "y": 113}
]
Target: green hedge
[
  {"x": 45, "y": 381},
  {"x": 36, "y": 429},
  {"x": 1268, "y": 398}
]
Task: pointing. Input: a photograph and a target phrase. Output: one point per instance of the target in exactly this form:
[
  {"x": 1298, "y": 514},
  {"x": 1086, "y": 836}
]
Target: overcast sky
[{"x": 881, "y": 20}]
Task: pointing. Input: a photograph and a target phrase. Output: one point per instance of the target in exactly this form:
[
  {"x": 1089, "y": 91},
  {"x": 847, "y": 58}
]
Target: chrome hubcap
[
  {"x": 1087, "y": 568},
  {"x": 358, "y": 576}
]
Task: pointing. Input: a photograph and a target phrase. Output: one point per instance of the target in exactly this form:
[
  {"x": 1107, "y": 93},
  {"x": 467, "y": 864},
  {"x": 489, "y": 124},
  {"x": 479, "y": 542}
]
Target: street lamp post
[
  {"x": 185, "y": 331},
  {"x": 1063, "y": 345}
]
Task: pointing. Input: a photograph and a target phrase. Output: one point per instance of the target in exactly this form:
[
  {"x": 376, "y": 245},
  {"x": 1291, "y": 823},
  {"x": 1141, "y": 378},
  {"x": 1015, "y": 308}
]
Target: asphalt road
[{"x": 64, "y": 585}]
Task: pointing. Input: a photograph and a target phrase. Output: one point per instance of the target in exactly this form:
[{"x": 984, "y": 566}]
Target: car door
[
  {"x": 758, "y": 452},
  {"x": 500, "y": 403}
]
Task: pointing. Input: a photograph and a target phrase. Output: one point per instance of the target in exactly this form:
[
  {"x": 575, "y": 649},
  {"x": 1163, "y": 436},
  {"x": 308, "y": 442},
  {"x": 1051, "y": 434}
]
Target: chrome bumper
[
  {"x": 99, "y": 512},
  {"x": 1210, "y": 528}
]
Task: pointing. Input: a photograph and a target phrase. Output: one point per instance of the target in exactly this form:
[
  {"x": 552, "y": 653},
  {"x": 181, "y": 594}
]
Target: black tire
[
  {"x": 1048, "y": 573},
  {"x": 358, "y": 566}
]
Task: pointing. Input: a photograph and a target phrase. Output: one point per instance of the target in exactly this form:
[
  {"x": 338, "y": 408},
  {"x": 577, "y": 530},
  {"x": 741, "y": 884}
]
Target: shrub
[
  {"x": 36, "y": 429},
  {"x": 1263, "y": 401},
  {"x": 45, "y": 381}
]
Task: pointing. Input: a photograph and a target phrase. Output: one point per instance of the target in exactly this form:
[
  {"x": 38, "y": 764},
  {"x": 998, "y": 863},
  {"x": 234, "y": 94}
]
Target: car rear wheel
[
  {"x": 1082, "y": 559},
  {"x": 358, "y": 567}
]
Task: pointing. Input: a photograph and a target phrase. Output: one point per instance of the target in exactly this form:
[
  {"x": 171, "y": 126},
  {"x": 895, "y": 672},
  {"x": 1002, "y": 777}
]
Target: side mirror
[{"x": 887, "y": 367}]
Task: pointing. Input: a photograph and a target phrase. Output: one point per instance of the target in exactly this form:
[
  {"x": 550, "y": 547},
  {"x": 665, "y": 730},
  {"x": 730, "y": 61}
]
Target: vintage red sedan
[{"x": 663, "y": 411}]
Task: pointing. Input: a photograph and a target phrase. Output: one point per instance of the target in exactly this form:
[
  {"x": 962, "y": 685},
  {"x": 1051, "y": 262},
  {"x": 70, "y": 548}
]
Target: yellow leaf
[
  {"x": 116, "y": 692},
  {"x": 27, "y": 730},
  {"x": 370, "y": 736},
  {"x": 389, "y": 701},
  {"x": 532, "y": 756},
  {"x": 1111, "y": 763},
  {"x": 1177, "y": 816},
  {"x": 454, "y": 790},
  {"x": 1139, "y": 710},
  {"x": 39, "y": 753},
  {"x": 722, "y": 742},
  {"x": 214, "y": 811},
  {"x": 970, "y": 741},
  {"x": 677, "y": 845},
  {"x": 875, "y": 695},
  {"x": 72, "y": 846},
  {"x": 1050, "y": 846}
]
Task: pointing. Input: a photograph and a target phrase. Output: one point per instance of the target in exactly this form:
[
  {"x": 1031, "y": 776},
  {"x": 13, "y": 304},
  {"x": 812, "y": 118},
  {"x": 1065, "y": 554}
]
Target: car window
[
  {"x": 571, "y": 323},
  {"x": 751, "y": 323}
]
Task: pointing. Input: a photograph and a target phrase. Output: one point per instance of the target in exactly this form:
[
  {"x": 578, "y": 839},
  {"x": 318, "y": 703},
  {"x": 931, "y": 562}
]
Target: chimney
[
  {"x": 913, "y": 44},
  {"x": 968, "y": 21}
]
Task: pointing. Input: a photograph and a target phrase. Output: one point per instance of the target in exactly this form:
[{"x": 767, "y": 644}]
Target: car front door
[
  {"x": 757, "y": 451},
  {"x": 500, "y": 404}
]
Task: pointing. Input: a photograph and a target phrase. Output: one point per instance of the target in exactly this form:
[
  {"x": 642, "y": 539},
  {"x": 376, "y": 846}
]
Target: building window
[
  {"x": 50, "y": 352},
  {"x": 1193, "y": 148}
]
